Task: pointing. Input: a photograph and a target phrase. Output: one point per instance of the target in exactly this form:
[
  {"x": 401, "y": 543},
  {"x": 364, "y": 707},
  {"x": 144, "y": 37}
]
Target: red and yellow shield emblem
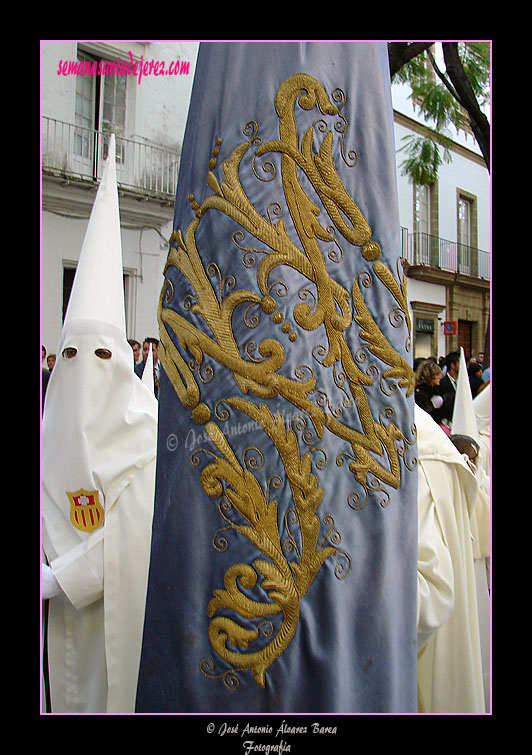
[{"x": 86, "y": 513}]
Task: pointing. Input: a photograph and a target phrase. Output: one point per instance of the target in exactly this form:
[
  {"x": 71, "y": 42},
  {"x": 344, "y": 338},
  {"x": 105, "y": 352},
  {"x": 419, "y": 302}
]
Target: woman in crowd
[{"x": 428, "y": 377}]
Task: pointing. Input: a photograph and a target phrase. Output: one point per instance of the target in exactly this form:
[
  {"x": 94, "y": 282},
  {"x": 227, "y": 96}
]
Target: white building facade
[
  {"x": 446, "y": 242},
  {"x": 143, "y": 97},
  {"x": 144, "y": 100}
]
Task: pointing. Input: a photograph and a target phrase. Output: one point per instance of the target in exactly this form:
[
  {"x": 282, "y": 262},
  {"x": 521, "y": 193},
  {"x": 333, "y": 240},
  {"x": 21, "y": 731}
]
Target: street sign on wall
[{"x": 450, "y": 328}]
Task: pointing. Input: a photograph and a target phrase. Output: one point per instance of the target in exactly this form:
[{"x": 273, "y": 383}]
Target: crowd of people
[
  {"x": 139, "y": 362},
  {"x": 436, "y": 384}
]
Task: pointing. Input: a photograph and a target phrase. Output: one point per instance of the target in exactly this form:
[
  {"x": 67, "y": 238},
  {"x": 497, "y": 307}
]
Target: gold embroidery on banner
[
  {"x": 374, "y": 451},
  {"x": 285, "y": 582},
  {"x": 332, "y": 310}
]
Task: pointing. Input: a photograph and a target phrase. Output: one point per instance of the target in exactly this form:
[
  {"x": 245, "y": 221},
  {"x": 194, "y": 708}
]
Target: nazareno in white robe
[
  {"x": 482, "y": 533},
  {"x": 99, "y": 434},
  {"x": 449, "y": 658}
]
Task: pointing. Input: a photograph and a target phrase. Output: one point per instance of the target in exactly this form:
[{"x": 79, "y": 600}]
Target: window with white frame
[
  {"x": 113, "y": 119},
  {"x": 84, "y": 115},
  {"x": 100, "y": 106},
  {"x": 426, "y": 250},
  {"x": 422, "y": 208},
  {"x": 464, "y": 221},
  {"x": 467, "y": 233}
]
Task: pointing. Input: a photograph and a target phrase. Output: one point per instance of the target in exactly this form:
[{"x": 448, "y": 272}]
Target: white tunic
[{"x": 449, "y": 663}]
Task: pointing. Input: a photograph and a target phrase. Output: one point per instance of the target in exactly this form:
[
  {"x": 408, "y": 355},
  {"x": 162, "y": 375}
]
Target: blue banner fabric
[{"x": 284, "y": 547}]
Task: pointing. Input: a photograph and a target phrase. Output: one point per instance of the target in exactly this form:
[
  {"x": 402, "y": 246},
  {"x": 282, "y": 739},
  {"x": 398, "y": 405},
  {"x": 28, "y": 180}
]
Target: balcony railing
[
  {"x": 72, "y": 151},
  {"x": 424, "y": 249}
]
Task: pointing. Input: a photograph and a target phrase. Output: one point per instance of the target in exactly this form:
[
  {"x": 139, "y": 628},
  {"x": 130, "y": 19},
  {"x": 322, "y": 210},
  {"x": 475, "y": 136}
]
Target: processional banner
[{"x": 284, "y": 550}]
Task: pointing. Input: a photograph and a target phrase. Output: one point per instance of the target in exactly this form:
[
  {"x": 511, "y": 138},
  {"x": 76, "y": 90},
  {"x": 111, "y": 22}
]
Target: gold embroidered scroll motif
[{"x": 373, "y": 452}]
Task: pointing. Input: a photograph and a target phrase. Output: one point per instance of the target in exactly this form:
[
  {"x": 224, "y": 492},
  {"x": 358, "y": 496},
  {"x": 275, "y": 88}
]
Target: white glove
[
  {"x": 437, "y": 401},
  {"x": 50, "y": 585}
]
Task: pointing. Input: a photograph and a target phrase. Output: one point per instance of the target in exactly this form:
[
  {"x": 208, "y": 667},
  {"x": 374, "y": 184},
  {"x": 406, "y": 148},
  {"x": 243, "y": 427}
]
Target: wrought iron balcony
[
  {"x": 432, "y": 251},
  {"x": 74, "y": 152}
]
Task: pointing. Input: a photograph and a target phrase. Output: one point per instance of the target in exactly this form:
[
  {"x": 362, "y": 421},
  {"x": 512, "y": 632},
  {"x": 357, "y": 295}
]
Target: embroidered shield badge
[{"x": 86, "y": 513}]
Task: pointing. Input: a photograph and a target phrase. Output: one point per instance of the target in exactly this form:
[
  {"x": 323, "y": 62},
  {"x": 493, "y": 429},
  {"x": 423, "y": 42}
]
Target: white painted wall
[
  {"x": 144, "y": 255},
  {"x": 461, "y": 173},
  {"x": 157, "y": 112},
  {"x": 157, "y": 106}
]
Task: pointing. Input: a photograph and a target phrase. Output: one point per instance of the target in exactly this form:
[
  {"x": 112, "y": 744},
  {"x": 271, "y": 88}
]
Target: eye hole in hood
[
  {"x": 103, "y": 353},
  {"x": 70, "y": 352}
]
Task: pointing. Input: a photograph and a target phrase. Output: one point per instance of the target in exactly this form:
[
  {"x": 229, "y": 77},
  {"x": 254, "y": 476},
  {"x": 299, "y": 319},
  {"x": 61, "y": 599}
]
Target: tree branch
[
  {"x": 466, "y": 97},
  {"x": 447, "y": 84},
  {"x": 400, "y": 53}
]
